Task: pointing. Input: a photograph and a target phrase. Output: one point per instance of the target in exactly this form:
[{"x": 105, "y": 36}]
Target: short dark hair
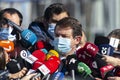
[
  {"x": 11, "y": 11},
  {"x": 55, "y": 8},
  {"x": 2, "y": 58},
  {"x": 72, "y": 23}
]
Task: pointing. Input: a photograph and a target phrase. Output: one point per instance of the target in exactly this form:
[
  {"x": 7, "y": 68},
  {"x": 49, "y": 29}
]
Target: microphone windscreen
[
  {"x": 71, "y": 62},
  {"x": 39, "y": 54},
  {"x": 52, "y": 53},
  {"x": 36, "y": 64},
  {"x": 58, "y": 76},
  {"x": 7, "y": 45},
  {"x": 40, "y": 44},
  {"x": 28, "y": 38},
  {"x": 82, "y": 68},
  {"x": 101, "y": 40},
  {"x": 91, "y": 49},
  {"x": 106, "y": 49},
  {"x": 53, "y": 63}
]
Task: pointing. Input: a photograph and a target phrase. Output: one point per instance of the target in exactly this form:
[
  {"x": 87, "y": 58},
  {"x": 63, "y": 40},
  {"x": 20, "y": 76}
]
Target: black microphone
[{"x": 72, "y": 64}]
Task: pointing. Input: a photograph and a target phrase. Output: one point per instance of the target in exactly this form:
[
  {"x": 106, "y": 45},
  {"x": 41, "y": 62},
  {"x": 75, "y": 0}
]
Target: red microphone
[
  {"x": 40, "y": 55},
  {"x": 40, "y": 44},
  {"x": 105, "y": 70}
]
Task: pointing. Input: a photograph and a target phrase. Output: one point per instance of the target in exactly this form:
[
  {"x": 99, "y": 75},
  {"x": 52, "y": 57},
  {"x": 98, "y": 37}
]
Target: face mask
[
  {"x": 62, "y": 45},
  {"x": 5, "y": 34},
  {"x": 51, "y": 29}
]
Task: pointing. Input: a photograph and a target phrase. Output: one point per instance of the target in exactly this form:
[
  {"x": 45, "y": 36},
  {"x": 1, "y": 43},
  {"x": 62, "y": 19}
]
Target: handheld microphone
[
  {"x": 28, "y": 38},
  {"x": 40, "y": 44},
  {"x": 103, "y": 44},
  {"x": 58, "y": 76},
  {"x": 72, "y": 64},
  {"x": 39, "y": 55},
  {"x": 84, "y": 70},
  {"x": 49, "y": 66},
  {"x": 26, "y": 55},
  {"x": 106, "y": 49},
  {"x": 106, "y": 70},
  {"x": 7, "y": 45},
  {"x": 52, "y": 53},
  {"x": 88, "y": 53}
]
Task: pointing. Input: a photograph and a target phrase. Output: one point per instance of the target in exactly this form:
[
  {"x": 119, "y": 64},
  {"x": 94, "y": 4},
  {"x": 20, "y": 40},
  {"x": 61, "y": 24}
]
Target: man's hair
[
  {"x": 11, "y": 11},
  {"x": 55, "y": 8},
  {"x": 72, "y": 23}
]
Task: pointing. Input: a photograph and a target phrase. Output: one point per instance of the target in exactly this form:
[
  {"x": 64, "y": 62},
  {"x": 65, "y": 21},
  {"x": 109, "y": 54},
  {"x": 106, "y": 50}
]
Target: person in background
[
  {"x": 44, "y": 26},
  {"x": 7, "y": 32},
  {"x": 4, "y": 59},
  {"x": 115, "y": 59}
]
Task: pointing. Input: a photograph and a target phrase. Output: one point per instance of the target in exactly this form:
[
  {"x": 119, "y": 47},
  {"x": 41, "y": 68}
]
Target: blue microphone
[
  {"x": 106, "y": 49},
  {"x": 58, "y": 76},
  {"x": 28, "y": 38}
]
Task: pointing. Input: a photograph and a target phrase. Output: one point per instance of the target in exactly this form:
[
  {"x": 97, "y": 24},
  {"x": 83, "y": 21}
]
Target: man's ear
[{"x": 78, "y": 39}]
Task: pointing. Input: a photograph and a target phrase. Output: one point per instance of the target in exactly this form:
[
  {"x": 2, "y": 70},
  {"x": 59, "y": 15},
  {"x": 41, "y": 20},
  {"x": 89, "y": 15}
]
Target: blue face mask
[
  {"x": 62, "y": 45},
  {"x": 5, "y": 34},
  {"x": 51, "y": 29}
]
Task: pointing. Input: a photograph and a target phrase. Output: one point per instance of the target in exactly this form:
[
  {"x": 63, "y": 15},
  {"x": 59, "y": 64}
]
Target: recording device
[
  {"x": 52, "y": 53},
  {"x": 7, "y": 45},
  {"x": 28, "y": 38}
]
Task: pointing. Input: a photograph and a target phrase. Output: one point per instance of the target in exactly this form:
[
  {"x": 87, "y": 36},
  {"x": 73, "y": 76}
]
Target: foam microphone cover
[
  {"x": 52, "y": 63},
  {"x": 91, "y": 49},
  {"x": 36, "y": 64},
  {"x": 101, "y": 40},
  {"x": 58, "y": 76},
  {"x": 72, "y": 62},
  {"x": 7, "y": 45},
  {"x": 39, "y": 54},
  {"x": 52, "y": 53},
  {"x": 40, "y": 44}
]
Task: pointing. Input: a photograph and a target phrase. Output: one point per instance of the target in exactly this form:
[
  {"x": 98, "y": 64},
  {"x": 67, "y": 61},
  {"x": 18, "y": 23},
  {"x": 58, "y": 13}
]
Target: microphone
[
  {"x": 84, "y": 70},
  {"x": 88, "y": 53},
  {"x": 7, "y": 45},
  {"x": 106, "y": 49},
  {"x": 49, "y": 66},
  {"x": 72, "y": 64},
  {"x": 26, "y": 55},
  {"x": 101, "y": 40},
  {"x": 106, "y": 71},
  {"x": 103, "y": 44},
  {"x": 57, "y": 76},
  {"x": 52, "y": 53},
  {"x": 39, "y": 55},
  {"x": 40, "y": 44},
  {"x": 28, "y": 38}
]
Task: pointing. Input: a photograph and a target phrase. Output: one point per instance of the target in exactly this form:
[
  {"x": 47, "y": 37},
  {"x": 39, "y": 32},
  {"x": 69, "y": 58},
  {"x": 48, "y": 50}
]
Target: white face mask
[
  {"x": 62, "y": 45},
  {"x": 51, "y": 29}
]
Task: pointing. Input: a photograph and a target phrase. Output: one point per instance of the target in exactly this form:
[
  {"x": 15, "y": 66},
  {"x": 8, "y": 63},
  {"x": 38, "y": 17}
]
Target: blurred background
[{"x": 98, "y": 17}]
